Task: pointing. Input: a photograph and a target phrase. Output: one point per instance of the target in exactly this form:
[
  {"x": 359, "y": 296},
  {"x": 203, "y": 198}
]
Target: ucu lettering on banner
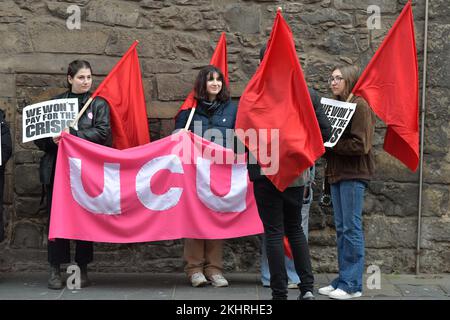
[
  {"x": 176, "y": 187},
  {"x": 108, "y": 202}
]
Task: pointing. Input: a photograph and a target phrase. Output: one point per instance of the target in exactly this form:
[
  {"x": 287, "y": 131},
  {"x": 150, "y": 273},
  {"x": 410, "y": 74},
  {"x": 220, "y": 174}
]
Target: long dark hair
[
  {"x": 74, "y": 67},
  {"x": 207, "y": 74},
  {"x": 350, "y": 75}
]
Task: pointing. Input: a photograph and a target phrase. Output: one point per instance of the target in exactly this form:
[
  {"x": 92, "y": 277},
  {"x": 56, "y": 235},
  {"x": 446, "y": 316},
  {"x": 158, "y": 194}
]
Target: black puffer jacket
[{"x": 94, "y": 126}]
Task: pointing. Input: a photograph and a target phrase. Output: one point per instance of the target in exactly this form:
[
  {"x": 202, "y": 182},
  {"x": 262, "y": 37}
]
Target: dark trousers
[
  {"x": 2, "y": 184},
  {"x": 59, "y": 249},
  {"x": 279, "y": 214}
]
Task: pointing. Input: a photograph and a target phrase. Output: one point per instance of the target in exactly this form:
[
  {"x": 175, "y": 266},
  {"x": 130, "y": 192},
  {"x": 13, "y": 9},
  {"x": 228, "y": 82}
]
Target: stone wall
[{"x": 177, "y": 38}]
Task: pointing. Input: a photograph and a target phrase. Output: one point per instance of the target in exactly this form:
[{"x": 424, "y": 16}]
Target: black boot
[
  {"x": 55, "y": 281},
  {"x": 85, "y": 282}
]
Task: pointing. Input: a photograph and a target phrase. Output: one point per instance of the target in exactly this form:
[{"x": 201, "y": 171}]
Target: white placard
[
  {"x": 48, "y": 118},
  {"x": 339, "y": 113}
]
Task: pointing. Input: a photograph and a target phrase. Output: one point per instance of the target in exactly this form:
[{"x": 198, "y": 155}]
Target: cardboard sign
[
  {"x": 339, "y": 113},
  {"x": 48, "y": 118}
]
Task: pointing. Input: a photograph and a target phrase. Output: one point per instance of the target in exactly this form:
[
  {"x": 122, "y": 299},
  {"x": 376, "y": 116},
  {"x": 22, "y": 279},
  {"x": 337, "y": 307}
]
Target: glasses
[{"x": 337, "y": 79}]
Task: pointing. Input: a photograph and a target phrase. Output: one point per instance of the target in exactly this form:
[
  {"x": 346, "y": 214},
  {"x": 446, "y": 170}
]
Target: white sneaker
[
  {"x": 342, "y": 295},
  {"x": 198, "y": 279},
  {"x": 218, "y": 280},
  {"x": 292, "y": 285},
  {"x": 326, "y": 290}
]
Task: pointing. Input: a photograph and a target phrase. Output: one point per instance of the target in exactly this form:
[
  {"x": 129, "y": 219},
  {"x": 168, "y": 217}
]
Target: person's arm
[
  {"x": 6, "y": 143},
  {"x": 322, "y": 119},
  {"x": 101, "y": 128},
  {"x": 181, "y": 119},
  {"x": 46, "y": 145},
  {"x": 360, "y": 139}
]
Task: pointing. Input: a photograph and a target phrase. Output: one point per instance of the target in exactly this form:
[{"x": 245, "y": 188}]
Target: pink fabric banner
[{"x": 169, "y": 189}]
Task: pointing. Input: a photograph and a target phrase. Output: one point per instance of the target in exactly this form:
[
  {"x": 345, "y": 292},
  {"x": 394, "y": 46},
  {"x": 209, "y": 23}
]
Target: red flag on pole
[
  {"x": 277, "y": 98},
  {"x": 219, "y": 60},
  {"x": 390, "y": 84},
  {"x": 123, "y": 91}
]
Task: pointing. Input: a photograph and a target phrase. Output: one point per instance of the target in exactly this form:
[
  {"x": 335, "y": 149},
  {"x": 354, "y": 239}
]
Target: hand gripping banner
[{"x": 182, "y": 186}]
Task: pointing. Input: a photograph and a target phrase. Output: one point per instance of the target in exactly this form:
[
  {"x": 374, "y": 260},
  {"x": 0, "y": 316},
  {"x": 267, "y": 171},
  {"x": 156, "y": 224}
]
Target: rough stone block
[
  {"x": 163, "y": 110},
  {"x": 155, "y": 45},
  {"x": 326, "y": 15},
  {"x": 27, "y": 180},
  {"x": 64, "y": 40},
  {"x": 243, "y": 19},
  {"x": 174, "y": 86},
  {"x": 152, "y": 66},
  {"x": 29, "y": 207},
  {"x": 8, "y": 86},
  {"x": 392, "y": 199},
  {"x": 388, "y": 232},
  {"x": 436, "y": 201},
  {"x": 15, "y": 39},
  {"x": 10, "y": 12},
  {"x": 180, "y": 18},
  {"x": 190, "y": 46},
  {"x": 27, "y": 235},
  {"x": 386, "y": 6},
  {"x": 400, "y": 260},
  {"x": 113, "y": 12}
]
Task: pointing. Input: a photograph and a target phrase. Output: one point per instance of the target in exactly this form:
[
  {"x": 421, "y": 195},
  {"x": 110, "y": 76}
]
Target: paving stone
[{"x": 410, "y": 290}]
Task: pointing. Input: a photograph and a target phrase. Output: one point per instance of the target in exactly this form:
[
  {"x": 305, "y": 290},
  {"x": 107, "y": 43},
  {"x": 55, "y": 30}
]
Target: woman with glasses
[{"x": 350, "y": 166}]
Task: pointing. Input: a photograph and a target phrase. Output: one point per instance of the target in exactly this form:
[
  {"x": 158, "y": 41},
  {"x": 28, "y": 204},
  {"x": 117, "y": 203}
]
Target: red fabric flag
[
  {"x": 287, "y": 248},
  {"x": 123, "y": 90},
  {"x": 277, "y": 98},
  {"x": 390, "y": 84},
  {"x": 219, "y": 60}
]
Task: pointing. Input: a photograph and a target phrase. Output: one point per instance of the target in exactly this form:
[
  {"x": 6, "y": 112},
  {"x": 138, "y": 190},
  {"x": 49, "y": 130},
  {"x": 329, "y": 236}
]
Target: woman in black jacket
[
  {"x": 215, "y": 111},
  {"x": 5, "y": 154},
  {"x": 94, "y": 126}
]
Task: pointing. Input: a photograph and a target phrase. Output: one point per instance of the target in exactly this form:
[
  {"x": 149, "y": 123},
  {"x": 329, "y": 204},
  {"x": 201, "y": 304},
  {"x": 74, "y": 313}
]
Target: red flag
[
  {"x": 390, "y": 84},
  {"x": 123, "y": 90},
  {"x": 277, "y": 98},
  {"x": 287, "y": 248},
  {"x": 219, "y": 60}
]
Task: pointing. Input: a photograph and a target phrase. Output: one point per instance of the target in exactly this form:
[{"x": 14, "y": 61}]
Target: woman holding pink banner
[
  {"x": 214, "y": 115},
  {"x": 350, "y": 166},
  {"x": 94, "y": 126}
]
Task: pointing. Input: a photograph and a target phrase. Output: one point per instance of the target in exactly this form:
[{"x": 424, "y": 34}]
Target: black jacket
[
  {"x": 94, "y": 126},
  {"x": 6, "y": 141},
  {"x": 254, "y": 170},
  {"x": 221, "y": 117}
]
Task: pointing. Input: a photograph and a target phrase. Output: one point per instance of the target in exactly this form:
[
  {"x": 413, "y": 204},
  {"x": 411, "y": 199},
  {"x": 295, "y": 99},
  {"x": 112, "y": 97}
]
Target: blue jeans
[
  {"x": 348, "y": 200},
  {"x": 290, "y": 268}
]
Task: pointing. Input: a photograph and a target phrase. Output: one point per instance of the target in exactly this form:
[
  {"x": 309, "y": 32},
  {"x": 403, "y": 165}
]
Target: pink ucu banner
[{"x": 181, "y": 186}]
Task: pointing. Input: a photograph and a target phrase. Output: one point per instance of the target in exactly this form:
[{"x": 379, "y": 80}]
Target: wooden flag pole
[
  {"x": 86, "y": 105},
  {"x": 188, "y": 123},
  {"x": 350, "y": 97}
]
